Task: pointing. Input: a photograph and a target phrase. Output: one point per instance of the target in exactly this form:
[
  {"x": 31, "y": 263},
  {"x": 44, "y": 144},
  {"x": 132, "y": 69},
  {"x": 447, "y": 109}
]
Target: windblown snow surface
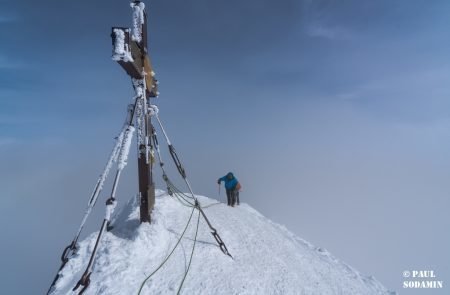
[{"x": 268, "y": 259}]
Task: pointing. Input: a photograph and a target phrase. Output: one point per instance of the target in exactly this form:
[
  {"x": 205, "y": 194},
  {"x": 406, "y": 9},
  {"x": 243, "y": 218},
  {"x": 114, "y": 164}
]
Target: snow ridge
[{"x": 268, "y": 259}]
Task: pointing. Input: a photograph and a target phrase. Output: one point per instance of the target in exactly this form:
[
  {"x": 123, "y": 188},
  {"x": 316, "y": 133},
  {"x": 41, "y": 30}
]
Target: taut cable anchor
[
  {"x": 177, "y": 161},
  {"x": 84, "y": 281},
  {"x": 65, "y": 255},
  {"x": 154, "y": 112},
  {"x": 113, "y": 158},
  {"x": 216, "y": 236},
  {"x": 221, "y": 243}
]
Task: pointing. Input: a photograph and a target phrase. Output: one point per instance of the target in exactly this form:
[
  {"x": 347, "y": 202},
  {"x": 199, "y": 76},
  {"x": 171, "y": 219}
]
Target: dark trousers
[{"x": 232, "y": 197}]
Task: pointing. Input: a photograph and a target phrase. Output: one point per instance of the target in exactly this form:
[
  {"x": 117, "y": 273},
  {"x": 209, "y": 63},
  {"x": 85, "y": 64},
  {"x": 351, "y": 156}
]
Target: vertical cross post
[{"x": 131, "y": 52}]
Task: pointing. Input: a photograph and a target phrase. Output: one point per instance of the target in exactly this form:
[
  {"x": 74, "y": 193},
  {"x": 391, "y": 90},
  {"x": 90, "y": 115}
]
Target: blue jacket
[{"x": 230, "y": 182}]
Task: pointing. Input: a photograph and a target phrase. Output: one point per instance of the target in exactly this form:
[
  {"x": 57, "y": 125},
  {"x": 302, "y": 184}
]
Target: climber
[{"x": 232, "y": 187}]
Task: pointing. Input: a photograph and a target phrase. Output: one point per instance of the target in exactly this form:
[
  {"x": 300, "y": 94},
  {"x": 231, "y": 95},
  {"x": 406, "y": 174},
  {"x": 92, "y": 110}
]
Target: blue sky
[{"x": 333, "y": 114}]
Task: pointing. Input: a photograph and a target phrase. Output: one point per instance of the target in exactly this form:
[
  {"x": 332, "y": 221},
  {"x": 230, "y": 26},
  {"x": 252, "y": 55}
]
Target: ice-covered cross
[{"x": 130, "y": 49}]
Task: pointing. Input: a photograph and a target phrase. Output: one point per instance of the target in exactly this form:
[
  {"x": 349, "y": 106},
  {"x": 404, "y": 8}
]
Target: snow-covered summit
[{"x": 268, "y": 259}]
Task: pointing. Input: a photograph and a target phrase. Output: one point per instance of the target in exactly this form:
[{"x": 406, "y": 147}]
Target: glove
[{"x": 218, "y": 181}]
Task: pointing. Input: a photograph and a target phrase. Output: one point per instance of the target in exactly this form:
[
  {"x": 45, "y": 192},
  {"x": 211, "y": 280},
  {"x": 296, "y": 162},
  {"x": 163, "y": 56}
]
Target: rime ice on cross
[{"x": 131, "y": 52}]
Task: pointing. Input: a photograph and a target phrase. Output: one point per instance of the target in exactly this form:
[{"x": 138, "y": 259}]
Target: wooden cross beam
[{"x": 131, "y": 52}]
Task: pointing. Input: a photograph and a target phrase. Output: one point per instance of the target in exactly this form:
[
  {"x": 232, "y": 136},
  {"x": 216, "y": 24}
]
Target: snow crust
[
  {"x": 139, "y": 86},
  {"x": 268, "y": 259},
  {"x": 110, "y": 209},
  {"x": 112, "y": 159},
  {"x": 153, "y": 110},
  {"x": 121, "y": 49},
  {"x": 125, "y": 148},
  {"x": 138, "y": 20}
]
